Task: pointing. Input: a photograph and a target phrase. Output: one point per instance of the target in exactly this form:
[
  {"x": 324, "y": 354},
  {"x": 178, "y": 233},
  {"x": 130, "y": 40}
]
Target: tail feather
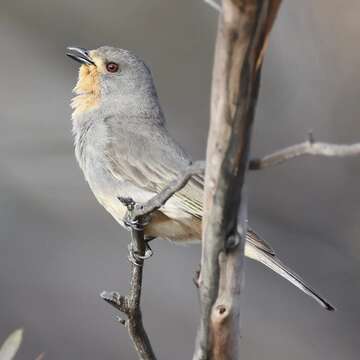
[{"x": 273, "y": 263}]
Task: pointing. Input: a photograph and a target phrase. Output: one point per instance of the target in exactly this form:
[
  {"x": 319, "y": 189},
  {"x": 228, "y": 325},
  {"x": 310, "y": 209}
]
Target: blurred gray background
[{"x": 59, "y": 249}]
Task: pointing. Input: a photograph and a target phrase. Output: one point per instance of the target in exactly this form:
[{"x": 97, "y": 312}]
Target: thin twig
[
  {"x": 130, "y": 304},
  {"x": 305, "y": 148}
]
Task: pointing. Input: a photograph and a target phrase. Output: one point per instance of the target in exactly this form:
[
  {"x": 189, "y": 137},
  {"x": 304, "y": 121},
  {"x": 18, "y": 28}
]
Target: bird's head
[{"x": 108, "y": 73}]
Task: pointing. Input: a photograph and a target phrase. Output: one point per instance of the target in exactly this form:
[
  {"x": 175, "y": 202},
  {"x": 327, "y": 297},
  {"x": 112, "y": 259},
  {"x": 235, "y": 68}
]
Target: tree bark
[{"x": 243, "y": 30}]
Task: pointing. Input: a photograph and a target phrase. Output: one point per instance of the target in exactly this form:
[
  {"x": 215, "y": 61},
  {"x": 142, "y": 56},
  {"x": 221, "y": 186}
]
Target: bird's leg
[
  {"x": 129, "y": 221},
  {"x": 136, "y": 224}
]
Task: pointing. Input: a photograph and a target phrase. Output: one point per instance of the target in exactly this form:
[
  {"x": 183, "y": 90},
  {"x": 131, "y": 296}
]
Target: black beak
[{"x": 79, "y": 54}]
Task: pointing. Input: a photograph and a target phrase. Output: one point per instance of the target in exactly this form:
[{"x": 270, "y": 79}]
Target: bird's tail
[{"x": 273, "y": 263}]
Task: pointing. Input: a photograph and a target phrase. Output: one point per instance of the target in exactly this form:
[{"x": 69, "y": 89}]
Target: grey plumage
[{"x": 125, "y": 150}]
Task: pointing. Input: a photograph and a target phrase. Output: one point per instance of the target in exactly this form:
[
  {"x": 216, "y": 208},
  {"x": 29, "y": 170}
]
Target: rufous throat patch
[{"x": 87, "y": 89}]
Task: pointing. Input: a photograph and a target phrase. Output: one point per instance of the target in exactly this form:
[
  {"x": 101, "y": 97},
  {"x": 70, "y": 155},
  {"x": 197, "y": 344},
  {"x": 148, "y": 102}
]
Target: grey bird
[{"x": 125, "y": 150}]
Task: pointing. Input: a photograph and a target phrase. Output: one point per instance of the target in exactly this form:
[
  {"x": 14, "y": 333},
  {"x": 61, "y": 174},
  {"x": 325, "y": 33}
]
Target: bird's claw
[
  {"x": 131, "y": 221},
  {"x": 136, "y": 224},
  {"x": 137, "y": 259}
]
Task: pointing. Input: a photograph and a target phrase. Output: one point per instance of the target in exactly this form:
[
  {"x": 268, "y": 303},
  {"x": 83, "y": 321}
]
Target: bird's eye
[{"x": 112, "y": 67}]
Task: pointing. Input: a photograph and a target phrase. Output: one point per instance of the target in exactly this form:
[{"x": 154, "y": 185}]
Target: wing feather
[{"x": 150, "y": 159}]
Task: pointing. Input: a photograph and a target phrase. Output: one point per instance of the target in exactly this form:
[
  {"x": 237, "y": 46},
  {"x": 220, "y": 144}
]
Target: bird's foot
[
  {"x": 136, "y": 223},
  {"x": 133, "y": 224},
  {"x": 130, "y": 221},
  {"x": 137, "y": 259}
]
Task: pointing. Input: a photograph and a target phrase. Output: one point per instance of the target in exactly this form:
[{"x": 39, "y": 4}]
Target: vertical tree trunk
[{"x": 242, "y": 35}]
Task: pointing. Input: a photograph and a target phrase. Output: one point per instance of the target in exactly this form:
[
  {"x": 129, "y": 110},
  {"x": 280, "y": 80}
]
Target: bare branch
[
  {"x": 130, "y": 304},
  {"x": 242, "y": 35},
  {"x": 305, "y": 148}
]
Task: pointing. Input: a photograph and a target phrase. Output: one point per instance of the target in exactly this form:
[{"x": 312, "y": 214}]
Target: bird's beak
[{"x": 79, "y": 54}]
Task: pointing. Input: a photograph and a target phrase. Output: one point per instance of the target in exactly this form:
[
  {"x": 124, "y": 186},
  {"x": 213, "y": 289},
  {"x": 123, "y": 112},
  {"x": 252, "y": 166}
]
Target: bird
[{"x": 124, "y": 150}]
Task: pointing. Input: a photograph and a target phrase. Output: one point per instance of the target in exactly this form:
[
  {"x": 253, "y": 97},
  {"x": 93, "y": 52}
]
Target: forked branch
[{"x": 130, "y": 304}]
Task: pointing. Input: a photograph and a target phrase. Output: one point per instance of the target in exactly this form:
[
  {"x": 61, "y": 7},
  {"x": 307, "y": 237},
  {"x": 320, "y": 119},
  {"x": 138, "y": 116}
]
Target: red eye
[{"x": 112, "y": 67}]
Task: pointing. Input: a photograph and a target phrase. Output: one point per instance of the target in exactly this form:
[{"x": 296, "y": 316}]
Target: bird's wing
[{"x": 150, "y": 159}]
